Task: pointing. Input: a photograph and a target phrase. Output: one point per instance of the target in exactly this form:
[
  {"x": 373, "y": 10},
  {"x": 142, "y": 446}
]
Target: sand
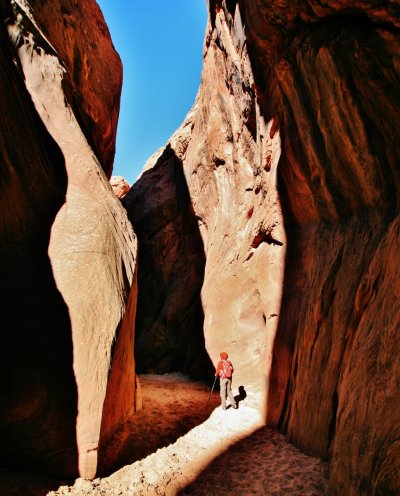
[{"x": 182, "y": 442}]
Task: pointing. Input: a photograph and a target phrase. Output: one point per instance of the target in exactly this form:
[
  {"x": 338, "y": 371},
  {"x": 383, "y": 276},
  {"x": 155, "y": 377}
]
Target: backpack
[{"x": 227, "y": 369}]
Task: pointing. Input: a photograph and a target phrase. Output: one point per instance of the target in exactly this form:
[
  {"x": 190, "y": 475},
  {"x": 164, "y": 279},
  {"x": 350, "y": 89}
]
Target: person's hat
[{"x": 223, "y": 355}]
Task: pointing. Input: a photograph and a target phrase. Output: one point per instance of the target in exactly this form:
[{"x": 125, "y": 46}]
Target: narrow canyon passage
[
  {"x": 182, "y": 442},
  {"x": 268, "y": 227}
]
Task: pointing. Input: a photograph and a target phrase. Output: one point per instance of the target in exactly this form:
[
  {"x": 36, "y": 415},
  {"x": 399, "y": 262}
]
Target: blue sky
[{"x": 160, "y": 43}]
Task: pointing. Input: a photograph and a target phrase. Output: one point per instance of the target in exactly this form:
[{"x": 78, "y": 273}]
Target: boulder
[{"x": 120, "y": 186}]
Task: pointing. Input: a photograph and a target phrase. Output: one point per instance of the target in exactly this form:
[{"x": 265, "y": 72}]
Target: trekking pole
[{"x": 212, "y": 389}]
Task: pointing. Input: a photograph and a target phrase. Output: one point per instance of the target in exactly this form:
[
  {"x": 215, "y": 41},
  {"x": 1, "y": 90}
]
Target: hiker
[{"x": 224, "y": 371}]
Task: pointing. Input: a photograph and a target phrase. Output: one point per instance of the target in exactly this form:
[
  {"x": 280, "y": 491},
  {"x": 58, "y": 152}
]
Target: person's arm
[{"x": 218, "y": 369}]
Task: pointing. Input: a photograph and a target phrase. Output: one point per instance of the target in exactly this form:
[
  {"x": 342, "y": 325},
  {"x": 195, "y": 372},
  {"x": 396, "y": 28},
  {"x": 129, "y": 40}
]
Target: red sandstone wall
[
  {"x": 94, "y": 70},
  {"x": 334, "y": 371},
  {"x": 290, "y": 155},
  {"x": 68, "y": 274}
]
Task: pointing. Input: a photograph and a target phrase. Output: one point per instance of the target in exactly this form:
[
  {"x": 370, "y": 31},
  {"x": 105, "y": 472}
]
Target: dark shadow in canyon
[
  {"x": 268, "y": 465},
  {"x": 321, "y": 253},
  {"x": 169, "y": 320},
  {"x": 283, "y": 346},
  {"x": 171, "y": 260},
  {"x": 38, "y": 392},
  {"x": 242, "y": 395},
  {"x": 172, "y": 406}
]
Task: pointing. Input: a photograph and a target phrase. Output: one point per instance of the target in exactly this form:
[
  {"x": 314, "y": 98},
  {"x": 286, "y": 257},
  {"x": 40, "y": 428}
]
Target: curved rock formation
[
  {"x": 93, "y": 69},
  {"x": 225, "y": 156},
  {"x": 169, "y": 325},
  {"x": 68, "y": 292},
  {"x": 290, "y": 160},
  {"x": 120, "y": 186}
]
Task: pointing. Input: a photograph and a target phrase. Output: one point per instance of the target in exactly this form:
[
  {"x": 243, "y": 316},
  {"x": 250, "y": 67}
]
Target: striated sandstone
[
  {"x": 93, "y": 78},
  {"x": 68, "y": 274},
  {"x": 169, "y": 324},
  {"x": 290, "y": 160},
  {"x": 225, "y": 156}
]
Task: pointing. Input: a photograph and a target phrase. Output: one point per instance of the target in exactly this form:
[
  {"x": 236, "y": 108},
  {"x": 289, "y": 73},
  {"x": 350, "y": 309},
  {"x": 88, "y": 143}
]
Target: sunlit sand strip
[
  {"x": 231, "y": 452},
  {"x": 172, "y": 468}
]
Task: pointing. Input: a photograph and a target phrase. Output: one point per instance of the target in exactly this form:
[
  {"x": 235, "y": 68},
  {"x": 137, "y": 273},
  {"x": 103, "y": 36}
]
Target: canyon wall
[
  {"x": 199, "y": 210},
  {"x": 169, "y": 325},
  {"x": 289, "y": 165},
  {"x": 68, "y": 274},
  {"x": 93, "y": 85}
]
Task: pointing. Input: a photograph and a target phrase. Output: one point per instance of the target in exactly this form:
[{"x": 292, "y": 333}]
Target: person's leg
[
  {"x": 229, "y": 392},
  {"x": 222, "y": 391}
]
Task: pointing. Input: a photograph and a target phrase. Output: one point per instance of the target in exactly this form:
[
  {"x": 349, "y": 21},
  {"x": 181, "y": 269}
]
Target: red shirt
[{"x": 228, "y": 369}]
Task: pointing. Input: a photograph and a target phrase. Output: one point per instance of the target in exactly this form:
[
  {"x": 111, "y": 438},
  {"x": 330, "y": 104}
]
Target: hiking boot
[{"x": 224, "y": 408}]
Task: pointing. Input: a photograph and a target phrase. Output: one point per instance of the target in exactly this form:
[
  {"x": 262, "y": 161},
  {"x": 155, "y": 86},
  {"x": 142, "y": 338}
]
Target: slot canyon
[{"x": 268, "y": 226}]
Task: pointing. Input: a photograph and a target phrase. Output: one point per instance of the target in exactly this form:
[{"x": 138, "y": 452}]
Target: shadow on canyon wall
[
  {"x": 334, "y": 85},
  {"x": 354, "y": 211},
  {"x": 332, "y": 318},
  {"x": 169, "y": 323},
  {"x": 38, "y": 393}
]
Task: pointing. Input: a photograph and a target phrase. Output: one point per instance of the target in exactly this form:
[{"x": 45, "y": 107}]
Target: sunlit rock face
[
  {"x": 216, "y": 181},
  {"x": 94, "y": 69},
  {"x": 68, "y": 291},
  {"x": 120, "y": 186},
  {"x": 290, "y": 158}
]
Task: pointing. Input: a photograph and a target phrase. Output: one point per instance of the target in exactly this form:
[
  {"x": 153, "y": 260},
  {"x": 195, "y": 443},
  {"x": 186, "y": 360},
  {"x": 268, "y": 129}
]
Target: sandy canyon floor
[{"x": 183, "y": 443}]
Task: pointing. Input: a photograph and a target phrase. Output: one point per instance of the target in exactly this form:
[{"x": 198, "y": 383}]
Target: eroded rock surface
[
  {"x": 169, "y": 325},
  {"x": 290, "y": 161},
  {"x": 120, "y": 186},
  {"x": 68, "y": 291},
  {"x": 93, "y": 78}
]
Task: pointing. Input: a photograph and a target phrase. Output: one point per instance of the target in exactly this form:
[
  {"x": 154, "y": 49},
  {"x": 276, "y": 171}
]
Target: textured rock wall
[
  {"x": 225, "y": 156},
  {"x": 68, "y": 291},
  {"x": 94, "y": 70},
  {"x": 290, "y": 156},
  {"x": 338, "y": 78},
  {"x": 169, "y": 324}
]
